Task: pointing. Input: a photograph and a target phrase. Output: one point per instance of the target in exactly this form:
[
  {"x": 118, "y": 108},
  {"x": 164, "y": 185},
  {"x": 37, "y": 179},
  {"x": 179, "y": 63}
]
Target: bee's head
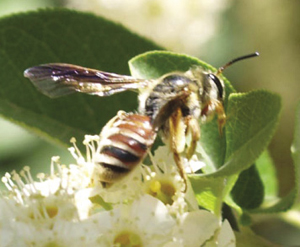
[{"x": 210, "y": 85}]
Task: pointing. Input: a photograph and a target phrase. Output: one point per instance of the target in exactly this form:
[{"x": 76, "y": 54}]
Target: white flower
[
  {"x": 223, "y": 237},
  {"x": 162, "y": 180},
  {"x": 226, "y": 237},
  {"x": 195, "y": 229},
  {"x": 41, "y": 213},
  {"x": 39, "y": 200},
  {"x": 145, "y": 222},
  {"x": 70, "y": 208}
]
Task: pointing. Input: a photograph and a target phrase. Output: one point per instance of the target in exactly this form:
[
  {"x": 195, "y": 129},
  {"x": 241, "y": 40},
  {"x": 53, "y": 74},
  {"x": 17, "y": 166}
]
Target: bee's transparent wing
[{"x": 58, "y": 79}]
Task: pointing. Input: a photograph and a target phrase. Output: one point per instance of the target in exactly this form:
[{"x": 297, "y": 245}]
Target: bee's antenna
[{"x": 220, "y": 70}]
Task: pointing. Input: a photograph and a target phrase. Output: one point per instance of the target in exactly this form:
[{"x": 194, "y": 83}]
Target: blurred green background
[{"x": 214, "y": 31}]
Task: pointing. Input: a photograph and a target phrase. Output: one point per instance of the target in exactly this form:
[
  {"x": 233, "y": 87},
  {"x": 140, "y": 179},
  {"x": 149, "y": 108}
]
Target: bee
[
  {"x": 174, "y": 103},
  {"x": 124, "y": 143}
]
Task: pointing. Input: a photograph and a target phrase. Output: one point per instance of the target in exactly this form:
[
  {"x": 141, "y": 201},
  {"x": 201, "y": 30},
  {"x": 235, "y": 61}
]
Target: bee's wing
[{"x": 58, "y": 79}]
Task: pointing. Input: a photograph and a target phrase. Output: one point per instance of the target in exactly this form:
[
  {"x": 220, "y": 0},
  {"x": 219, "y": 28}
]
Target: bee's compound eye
[{"x": 218, "y": 83}]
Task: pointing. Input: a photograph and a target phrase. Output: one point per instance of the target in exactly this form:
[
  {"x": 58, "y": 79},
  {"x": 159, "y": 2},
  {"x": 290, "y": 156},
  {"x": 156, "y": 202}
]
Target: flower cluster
[
  {"x": 187, "y": 25},
  {"x": 70, "y": 207}
]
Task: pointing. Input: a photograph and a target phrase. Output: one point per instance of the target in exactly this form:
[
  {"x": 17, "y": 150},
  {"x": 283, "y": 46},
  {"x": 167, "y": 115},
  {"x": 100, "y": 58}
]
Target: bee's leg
[
  {"x": 221, "y": 116},
  {"x": 194, "y": 129},
  {"x": 176, "y": 128}
]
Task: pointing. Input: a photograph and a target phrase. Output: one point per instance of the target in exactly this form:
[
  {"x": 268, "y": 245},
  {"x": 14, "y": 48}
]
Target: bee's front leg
[{"x": 221, "y": 116}]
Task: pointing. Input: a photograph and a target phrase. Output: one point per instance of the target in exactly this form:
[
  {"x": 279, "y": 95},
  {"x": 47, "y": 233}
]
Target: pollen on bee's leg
[
  {"x": 182, "y": 173},
  {"x": 194, "y": 129}
]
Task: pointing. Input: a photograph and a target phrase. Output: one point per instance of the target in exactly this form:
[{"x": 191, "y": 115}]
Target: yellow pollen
[
  {"x": 128, "y": 239},
  {"x": 52, "y": 211},
  {"x": 163, "y": 191},
  {"x": 155, "y": 186},
  {"x": 52, "y": 244}
]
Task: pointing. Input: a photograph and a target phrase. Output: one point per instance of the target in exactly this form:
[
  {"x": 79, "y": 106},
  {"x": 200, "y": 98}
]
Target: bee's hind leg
[{"x": 194, "y": 129}]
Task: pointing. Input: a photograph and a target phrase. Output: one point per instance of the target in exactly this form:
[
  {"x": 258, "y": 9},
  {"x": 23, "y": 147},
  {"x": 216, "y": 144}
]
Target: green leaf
[
  {"x": 257, "y": 184},
  {"x": 209, "y": 192},
  {"x": 66, "y": 36},
  {"x": 271, "y": 203},
  {"x": 285, "y": 203},
  {"x": 281, "y": 205},
  {"x": 252, "y": 119},
  {"x": 248, "y": 191},
  {"x": 274, "y": 204},
  {"x": 267, "y": 173},
  {"x": 157, "y": 63}
]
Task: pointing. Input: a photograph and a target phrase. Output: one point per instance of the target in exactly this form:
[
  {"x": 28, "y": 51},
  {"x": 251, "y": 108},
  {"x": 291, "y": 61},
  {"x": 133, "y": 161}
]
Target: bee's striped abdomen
[{"x": 125, "y": 141}]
